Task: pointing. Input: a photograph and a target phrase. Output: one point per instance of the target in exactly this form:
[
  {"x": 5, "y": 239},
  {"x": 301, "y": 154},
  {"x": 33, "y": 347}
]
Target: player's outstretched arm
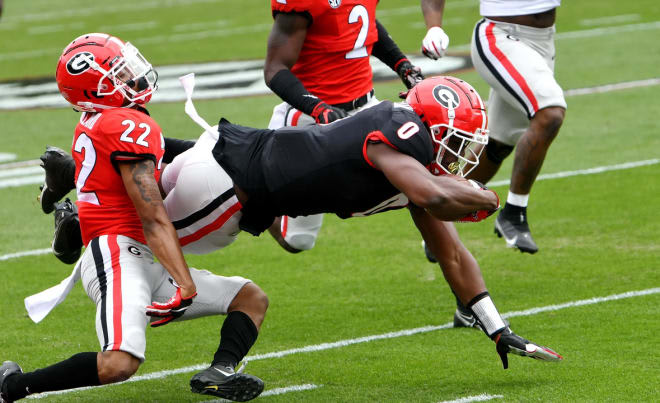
[
  {"x": 141, "y": 186},
  {"x": 446, "y": 197}
]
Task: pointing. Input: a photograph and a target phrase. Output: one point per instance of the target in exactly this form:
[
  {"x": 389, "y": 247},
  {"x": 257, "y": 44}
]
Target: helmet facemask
[
  {"x": 458, "y": 150},
  {"x": 131, "y": 74}
]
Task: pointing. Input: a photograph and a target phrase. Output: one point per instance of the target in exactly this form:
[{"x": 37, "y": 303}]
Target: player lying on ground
[
  {"x": 117, "y": 150},
  {"x": 389, "y": 156}
]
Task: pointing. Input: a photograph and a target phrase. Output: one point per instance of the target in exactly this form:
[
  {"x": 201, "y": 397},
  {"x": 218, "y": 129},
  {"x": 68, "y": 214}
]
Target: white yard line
[
  {"x": 366, "y": 339},
  {"x": 34, "y": 252},
  {"x": 588, "y": 171},
  {"x": 478, "y": 398}
]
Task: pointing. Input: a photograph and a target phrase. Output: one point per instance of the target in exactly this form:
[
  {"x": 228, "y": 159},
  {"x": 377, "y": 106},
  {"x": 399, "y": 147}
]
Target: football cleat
[
  {"x": 60, "y": 171},
  {"x": 515, "y": 231},
  {"x": 6, "y": 369},
  {"x": 429, "y": 255},
  {"x": 67, "y": 240},
  {"x": 507, "y": 342},
  {"x": 464, "y": 319},
  {"x": 222, "y": 381}
]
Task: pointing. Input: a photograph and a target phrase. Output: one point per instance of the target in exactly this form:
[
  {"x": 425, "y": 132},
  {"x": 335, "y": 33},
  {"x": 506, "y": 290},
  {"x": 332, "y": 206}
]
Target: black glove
[
  {"x": 410, "y": 75},
  {"x": 507, "y": 342},
  {"x": 324, "y": 113}
]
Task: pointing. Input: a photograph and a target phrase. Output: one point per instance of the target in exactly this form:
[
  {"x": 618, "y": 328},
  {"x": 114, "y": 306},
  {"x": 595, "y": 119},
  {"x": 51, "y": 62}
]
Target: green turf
[{"x": 598, "y": 233}]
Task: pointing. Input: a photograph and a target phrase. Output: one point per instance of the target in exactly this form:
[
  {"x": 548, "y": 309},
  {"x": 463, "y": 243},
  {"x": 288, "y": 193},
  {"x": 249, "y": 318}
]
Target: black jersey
[{"x": 319, "y": 168}]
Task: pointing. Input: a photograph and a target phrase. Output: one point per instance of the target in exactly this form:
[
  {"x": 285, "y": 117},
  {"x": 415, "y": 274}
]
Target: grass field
[{"x": 367, "y": 278}]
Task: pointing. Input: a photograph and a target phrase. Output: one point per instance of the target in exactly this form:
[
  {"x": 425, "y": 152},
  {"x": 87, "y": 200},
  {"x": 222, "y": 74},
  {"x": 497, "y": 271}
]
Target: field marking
[
  {"x": 366, "y": 339},
  {"x": 588, "y": 171},
  {"x": 34, "y": 252},
  {"x": 238, "y": 30},
  {"x": 478, "y": 398},
  {"x": 613, "y": 19},
  {"x": 276, "y": 391}
]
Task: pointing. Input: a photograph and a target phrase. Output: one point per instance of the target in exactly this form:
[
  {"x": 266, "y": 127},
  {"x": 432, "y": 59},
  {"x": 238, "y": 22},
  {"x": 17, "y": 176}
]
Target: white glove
[{"x": 435, "y": 43}]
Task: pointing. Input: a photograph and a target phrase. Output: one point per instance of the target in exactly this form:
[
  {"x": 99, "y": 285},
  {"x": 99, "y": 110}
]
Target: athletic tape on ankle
[{"x": 488, "y": 315}]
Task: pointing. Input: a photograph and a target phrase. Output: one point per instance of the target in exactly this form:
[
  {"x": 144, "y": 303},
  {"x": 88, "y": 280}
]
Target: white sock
[
  {"x": 517, "y": 200},
  {"x": 490, "y": 318}
]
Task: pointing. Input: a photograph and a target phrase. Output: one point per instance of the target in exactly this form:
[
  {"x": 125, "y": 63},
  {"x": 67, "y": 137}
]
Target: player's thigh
[
  {"x": 202, "y": 205},
  {"x": 286, "y": 115},
  {"x": 506, "y": 123},
  {"x": 519, "y": 70},
  {"x": 214, "y": 293},
  {"x": 119, "y": 275}
]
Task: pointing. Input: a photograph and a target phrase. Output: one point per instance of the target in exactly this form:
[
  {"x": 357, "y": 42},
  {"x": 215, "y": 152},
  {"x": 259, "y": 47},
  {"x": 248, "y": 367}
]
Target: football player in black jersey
[{"x": 412, "y": 154}]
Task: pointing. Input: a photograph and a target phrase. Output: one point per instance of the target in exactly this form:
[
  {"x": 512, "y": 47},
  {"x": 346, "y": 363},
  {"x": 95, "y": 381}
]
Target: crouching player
[{"x": 117, "y": 150}]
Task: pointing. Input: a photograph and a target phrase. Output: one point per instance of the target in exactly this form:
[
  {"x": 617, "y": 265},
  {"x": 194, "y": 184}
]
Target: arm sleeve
[
  {"x": 386, "y": 50},
  {"x": 287, "y": 86}
]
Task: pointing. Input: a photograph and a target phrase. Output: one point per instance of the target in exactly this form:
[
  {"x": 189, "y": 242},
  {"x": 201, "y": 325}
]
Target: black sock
[
  {"x": 78, "y": 371},
  {"x": 462, "y": 308},
  {"x": 237, "y": 336},
  {"x": 513, "y": 211}
]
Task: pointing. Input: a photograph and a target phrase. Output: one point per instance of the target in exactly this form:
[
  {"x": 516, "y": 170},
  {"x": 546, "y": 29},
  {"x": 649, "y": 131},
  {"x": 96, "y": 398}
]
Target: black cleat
[
  {"x": 515, "y": 231},
  {"x": 221, "y": 381},
  {"x": 60, "y": 171},
  {"x": 429, "y": 255},
  {"x": 508, "y": 342},
  {"x": 67, "y": 240},
  {"x": 6, "y": 369}
]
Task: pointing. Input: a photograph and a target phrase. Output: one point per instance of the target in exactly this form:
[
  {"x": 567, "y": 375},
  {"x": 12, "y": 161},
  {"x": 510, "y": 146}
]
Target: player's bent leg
[
  {"x": 533, "y": 146},
  {"x": 300, "y": 233},
  {"x": 77, "y": 371},
  {"x": 245, "y": 305},
  {"x": 253, "y": 301},
  {"x": 116, "y": 366}
]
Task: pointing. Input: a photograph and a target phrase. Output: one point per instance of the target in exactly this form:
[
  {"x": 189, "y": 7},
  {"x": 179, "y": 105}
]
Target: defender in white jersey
[{"x": 513, "y": 50}]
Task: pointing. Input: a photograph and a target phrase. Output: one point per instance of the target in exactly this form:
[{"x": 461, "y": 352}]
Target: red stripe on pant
[
  {"x": 116, "y": 292},
  {"x": 219, "y": 222},
  {"x": 508, "y": 66}
]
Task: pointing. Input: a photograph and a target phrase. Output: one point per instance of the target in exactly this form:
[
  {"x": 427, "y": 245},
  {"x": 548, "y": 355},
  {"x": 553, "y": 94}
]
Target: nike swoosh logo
[
  {"x": 5, "y": 373},
  {"x": 512, "y": 241},
  {"x": 223, "y": 372}
]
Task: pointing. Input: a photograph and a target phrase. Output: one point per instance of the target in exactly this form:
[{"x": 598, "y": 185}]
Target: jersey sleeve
[
  {"x": 311, "y": 8},
  {"x": 130, "y": 135},
  {"x": 406, "y": 133}
]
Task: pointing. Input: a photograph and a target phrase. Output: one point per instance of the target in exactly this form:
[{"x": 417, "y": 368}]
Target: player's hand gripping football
[
  {"x": 170, "y": 310},
  {"x": 409, "y": 74},
  {"x": 324, "y": 113},
  {"x": 435, "y": 43},
  {"x": 480, "y": 214},
  {"x": 507, "y": 342}
]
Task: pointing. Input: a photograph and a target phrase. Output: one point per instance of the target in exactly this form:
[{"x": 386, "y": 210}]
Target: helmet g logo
[
  {"x": 79, "y": 63},
  {"x": 446, "y": 96},
  {"x": 334, "y": 3}
]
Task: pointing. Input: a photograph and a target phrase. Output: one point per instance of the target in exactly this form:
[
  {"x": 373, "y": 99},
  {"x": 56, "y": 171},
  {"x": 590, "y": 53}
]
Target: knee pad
[
  {"x": 301, "y": 232},
  {"x": 496, "y": 152}
]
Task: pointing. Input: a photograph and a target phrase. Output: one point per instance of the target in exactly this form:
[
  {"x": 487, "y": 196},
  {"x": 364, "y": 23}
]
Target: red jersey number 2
[{"x": 359, "y": 13}]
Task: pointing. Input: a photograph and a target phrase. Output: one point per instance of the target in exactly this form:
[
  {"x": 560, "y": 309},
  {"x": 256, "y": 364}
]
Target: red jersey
[
  {"x": 101, "y": 140},
  {"x": 334, "y": 60}
]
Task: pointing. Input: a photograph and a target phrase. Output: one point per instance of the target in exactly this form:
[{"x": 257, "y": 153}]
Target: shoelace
[{"x": 242, "y": 367}]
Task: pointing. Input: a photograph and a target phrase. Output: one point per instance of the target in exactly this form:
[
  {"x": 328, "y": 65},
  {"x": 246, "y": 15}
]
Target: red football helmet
[
  {"x": 456, "y": 117},
  {"x": 98, "y": 71}
]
